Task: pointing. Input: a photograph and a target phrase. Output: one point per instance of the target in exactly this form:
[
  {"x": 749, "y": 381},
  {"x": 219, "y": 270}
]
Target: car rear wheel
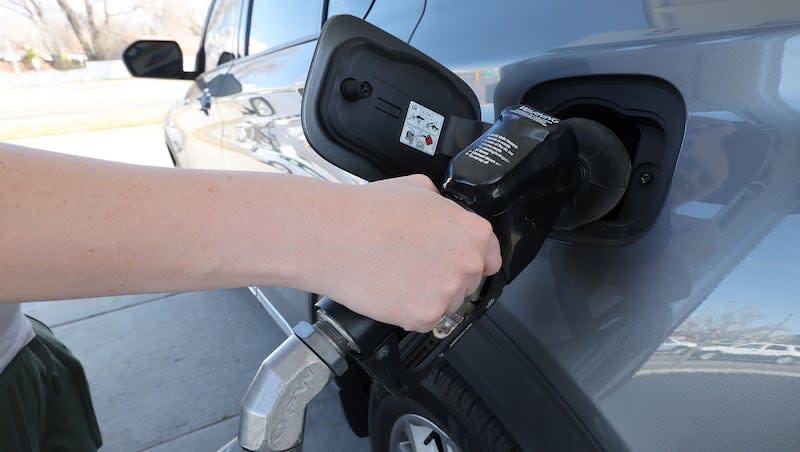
[
  {"x": 413, "y": 433},
  {"x": 444, "y": 415}
]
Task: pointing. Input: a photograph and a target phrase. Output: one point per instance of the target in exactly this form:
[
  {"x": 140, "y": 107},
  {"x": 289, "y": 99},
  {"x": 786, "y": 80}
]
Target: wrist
[{"x": 319, "y": 238}]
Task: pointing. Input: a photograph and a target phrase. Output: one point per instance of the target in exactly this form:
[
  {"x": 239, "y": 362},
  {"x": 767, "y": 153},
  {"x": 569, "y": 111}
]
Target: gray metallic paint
[
  {"x": 578, "y": 333},
  {"x": 591, "y": 319}
]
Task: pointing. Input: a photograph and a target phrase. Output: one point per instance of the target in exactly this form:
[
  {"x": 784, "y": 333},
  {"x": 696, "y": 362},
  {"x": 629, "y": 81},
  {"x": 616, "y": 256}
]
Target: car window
[
  {"x": 276, "y": 22},
  {"x": 780, "y": 348},
  {"x": 751, "y": 346},
  {"x": 221, "y": 33},
  {"x": 356, "y": 8}
]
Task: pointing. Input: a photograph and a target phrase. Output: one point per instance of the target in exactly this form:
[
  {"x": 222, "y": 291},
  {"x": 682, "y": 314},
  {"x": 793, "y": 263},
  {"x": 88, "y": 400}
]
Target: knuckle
[
  {"x": 480, "y": 228},
  {"x": 422, "y": 179},
  {"x": 434, "y": 311},
  {"x": 477, "y": 265},
  {"x": 485, "y": 230},
  {"x": 494, "y": 266},
  {"x": 470, "y": 263},
  {"x": 473, "y": 266},
  {"x": 424, "y": 328},
  {"x": 451, "y": 289},
  {"x": 429, "y": 320}
]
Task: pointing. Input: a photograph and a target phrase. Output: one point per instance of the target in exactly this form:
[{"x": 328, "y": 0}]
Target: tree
[
  {"x": 733, "y": 326},
  {"x": 102, "y": 28},
  {"x": 34, "y": 11},
  {"x": 93, "y": 31},
  {"x": 88, "y": 46}
]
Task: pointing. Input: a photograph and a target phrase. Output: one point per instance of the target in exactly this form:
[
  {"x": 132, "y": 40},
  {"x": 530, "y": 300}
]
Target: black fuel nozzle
[
  {"x": 530, "y": 173},
  {"x": 603, "y": 172},
  {"x": 518, "y": 175},
  {"x": 525, "y": 174}
]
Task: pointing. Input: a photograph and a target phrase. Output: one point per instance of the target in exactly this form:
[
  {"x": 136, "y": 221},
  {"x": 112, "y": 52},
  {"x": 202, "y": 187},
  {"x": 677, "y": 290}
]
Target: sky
[{"x": 767, "y": 280}]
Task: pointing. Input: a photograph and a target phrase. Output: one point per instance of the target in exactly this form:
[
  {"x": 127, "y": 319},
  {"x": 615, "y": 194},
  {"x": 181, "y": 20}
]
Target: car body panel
[
  {"x": 262, "y": 130},
  {"x": 397, "y": 18},
  {"x": 591, "y": 318},
  {"x": 193, "y": 128},
  {"x": 577, "y": 332}
]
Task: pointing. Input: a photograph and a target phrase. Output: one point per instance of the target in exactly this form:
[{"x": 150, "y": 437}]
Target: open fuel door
[{"x": 378, "y": 108}]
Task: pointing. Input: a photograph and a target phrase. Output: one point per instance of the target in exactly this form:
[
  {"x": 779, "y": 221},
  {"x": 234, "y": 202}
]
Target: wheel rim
[{"x": 414, "y": 433}]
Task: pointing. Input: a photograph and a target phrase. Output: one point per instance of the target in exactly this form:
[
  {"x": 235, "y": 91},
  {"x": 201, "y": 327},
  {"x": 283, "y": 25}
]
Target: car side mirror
[
  {"x": 378, "y": 108},
  {"x": 156, "y": 59}
]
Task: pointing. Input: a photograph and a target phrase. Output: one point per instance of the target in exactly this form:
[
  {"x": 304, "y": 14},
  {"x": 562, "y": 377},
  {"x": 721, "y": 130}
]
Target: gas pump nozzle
[{"x": 519, "y": 174}]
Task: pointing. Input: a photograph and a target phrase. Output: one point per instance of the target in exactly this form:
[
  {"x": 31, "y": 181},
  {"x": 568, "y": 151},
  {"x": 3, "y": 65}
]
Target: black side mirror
[
  {"x": 155, "y": 59},
  {"x": 377, "y": 107}
]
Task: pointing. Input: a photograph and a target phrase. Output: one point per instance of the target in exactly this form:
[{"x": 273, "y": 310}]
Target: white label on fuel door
[{"x": 422, "y": 128}]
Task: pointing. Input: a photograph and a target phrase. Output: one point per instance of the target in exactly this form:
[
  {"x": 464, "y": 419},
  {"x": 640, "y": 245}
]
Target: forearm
[
  {"x": 395, "y": 250},
  {"x": 72, "y": 227}
]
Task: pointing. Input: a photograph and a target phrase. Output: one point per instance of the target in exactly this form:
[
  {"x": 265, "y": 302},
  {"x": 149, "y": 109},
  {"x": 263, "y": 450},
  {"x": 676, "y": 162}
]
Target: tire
[
  {"x": 785, "y": 360},
  {"x": 445, "y": 410}
]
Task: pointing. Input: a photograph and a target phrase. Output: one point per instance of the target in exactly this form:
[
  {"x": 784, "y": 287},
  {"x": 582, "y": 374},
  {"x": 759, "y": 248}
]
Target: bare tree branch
[
  {"x": 17, "y": 7},
  {"x": 100, "y": 27},
  {"x": 25, "y": 8},
  {"x": 75, "y": 23},
  {"x": 93, "y": 31}
]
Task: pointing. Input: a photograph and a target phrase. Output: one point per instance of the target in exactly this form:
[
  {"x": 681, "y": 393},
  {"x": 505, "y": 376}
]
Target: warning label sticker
[
  {"x": 494, "y": 150},
  {"x": 422, "y": 128}
]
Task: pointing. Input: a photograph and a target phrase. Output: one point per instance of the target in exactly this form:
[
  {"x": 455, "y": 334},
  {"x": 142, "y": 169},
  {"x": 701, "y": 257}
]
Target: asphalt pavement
[{"x": 167, "y": 371}]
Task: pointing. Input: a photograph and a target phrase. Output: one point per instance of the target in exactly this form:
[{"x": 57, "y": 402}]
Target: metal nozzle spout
[{"x": 274, "y": 407}]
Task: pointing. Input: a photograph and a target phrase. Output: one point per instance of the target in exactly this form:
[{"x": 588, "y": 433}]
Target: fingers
[
  {"x": 439, "y": 254},
  {"x": 493, "y": 259},
  {"x": 453, "y": 305}
]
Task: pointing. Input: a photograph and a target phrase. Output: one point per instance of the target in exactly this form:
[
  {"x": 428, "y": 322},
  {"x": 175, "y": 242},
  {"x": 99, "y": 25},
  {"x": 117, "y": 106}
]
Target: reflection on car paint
[
  {"x": 603, "y": 313},
  {"x": 261, "y": 119}
]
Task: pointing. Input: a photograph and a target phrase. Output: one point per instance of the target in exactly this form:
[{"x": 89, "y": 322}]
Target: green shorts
[{"x": 44, "y": 400}]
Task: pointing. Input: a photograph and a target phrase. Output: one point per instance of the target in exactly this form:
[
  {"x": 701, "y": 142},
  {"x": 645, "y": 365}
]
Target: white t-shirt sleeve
[{"x": 15, "y": 332}]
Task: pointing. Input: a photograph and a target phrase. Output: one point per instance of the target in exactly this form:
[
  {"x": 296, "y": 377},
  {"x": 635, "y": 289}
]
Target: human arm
[{"x": 396, "y": 250}]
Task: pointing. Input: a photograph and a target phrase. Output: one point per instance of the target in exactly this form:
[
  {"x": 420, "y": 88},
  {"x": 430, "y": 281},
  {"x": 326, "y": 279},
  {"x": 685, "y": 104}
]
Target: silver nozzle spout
[
  {"x": 274, "y": 407},
  {"x": 234, "y": 446}
]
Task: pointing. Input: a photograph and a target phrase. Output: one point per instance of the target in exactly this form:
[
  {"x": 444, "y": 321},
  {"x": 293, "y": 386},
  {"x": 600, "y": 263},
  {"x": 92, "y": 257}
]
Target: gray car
[{"x": 704, "y": 246}]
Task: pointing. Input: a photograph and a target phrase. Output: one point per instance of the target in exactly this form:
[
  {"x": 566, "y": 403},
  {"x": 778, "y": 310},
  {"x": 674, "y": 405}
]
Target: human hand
[{"x": 401, "y": 253}]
